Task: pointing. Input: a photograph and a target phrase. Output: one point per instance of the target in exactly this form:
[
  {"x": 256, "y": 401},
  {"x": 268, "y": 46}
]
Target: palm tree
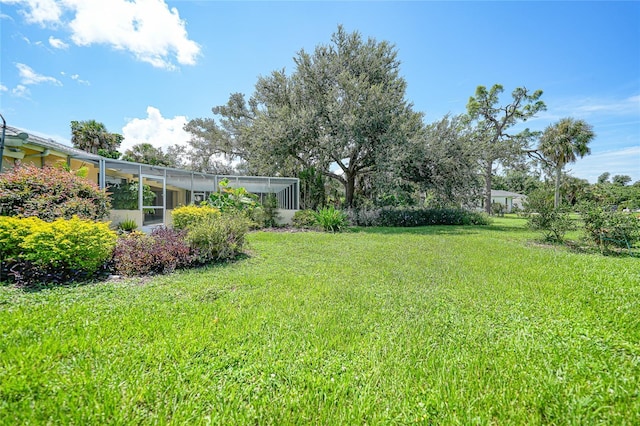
[
  {"x": 562, "y": 143},
  {"x": 92, "y": 136}
]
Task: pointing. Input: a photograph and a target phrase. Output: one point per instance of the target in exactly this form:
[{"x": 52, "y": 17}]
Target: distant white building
[{"x": 508, "y": 199}]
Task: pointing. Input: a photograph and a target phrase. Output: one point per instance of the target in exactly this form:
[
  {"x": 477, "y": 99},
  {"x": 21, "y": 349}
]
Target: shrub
[
  {"x": 304, "y": 219},
  {"x": 331, "y": 219},
  {"x": 391, "y": 216},
  {"x": 606, "y": 227},
  {"x": 186, "y": 216},
  {"x": 219, "y": 239},
  {"x": 133, "y": 255},
  {"x": 73, "y": 244},
  {"x": 364, "y": 217},
  {"x": 171, "y": 249},
  {"x": 270, "y": 213},
  {"x": 58, "y": 251},
  {"x": 161, "y": 252},
  {"x": 542, "y": 216},
  {"x": 13, "y": 231},
  {"x": 50, "y": 193}
]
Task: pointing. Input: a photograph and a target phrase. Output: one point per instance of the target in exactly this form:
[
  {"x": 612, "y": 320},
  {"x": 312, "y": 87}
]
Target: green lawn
[{"x": 437, "y": 325}]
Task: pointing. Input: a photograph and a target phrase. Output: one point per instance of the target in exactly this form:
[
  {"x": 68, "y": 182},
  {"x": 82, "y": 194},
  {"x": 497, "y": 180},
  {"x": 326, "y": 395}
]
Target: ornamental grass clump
[{"x": 330, "y": 219}]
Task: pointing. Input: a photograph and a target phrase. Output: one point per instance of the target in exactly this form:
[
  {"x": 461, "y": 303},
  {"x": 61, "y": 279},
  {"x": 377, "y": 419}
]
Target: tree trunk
[
  {"x": 556, "y": 199},
  {"x": 349, "y": 188},
  {"x": 488, "y": 172}
]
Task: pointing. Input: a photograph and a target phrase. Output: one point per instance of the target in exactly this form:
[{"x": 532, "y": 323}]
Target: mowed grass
[{"x": 436, "y": 325}]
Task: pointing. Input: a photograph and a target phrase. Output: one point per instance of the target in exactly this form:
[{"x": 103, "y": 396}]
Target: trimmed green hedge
[{"x": 409, "y": 217}]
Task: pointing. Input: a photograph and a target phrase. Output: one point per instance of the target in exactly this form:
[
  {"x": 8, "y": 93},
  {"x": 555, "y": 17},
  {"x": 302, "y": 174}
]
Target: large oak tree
[{"x": 340, "y": 112}]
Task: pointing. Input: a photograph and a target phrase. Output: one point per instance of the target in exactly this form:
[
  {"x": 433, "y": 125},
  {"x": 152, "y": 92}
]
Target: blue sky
[{"x": 144, "y": 67}]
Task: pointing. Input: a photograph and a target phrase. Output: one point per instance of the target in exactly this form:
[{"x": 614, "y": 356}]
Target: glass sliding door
[{"x": 154, "y": 195}]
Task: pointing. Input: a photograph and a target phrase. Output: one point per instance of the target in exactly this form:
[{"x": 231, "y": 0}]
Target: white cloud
[
  {"x": 588, "y": 107},
  {"x": 149, "y": 29},
  {"x": 625, "y": 161},
  {"x": 56, "y": 43},
  {"x": 77, "y": 78},
  {"x": 29, "y": 76},
  {"x": 39, "y": 11},
  {"x": 157, "y": 130},
  {"x": 21, "y": 91},
  {"x": 3, "y": 88}
]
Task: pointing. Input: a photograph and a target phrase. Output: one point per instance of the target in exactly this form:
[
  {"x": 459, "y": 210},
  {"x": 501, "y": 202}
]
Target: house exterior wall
[{"x": 507, "y": 202}]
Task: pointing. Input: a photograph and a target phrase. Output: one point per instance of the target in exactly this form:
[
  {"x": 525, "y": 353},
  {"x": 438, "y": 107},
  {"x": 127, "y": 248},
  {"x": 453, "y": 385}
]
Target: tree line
[{"x": 342, "y": 123}]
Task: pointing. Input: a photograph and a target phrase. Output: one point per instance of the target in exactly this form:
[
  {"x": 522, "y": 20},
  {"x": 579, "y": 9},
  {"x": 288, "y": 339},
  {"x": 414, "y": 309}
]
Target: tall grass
[{"x": 440, "y": 325}]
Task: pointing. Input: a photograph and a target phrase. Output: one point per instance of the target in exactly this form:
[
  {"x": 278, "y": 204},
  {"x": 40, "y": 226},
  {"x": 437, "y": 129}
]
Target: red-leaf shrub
[
  {"x": 50, "y": 193},
  {"x": 161, "y": 252}
]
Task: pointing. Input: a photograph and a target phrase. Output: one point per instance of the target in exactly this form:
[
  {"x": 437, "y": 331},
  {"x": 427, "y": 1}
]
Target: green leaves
[
  {"x": 229, "y": 199},
  {"x": 92, "y": 136},
  {"x": 331, "y": 219}
]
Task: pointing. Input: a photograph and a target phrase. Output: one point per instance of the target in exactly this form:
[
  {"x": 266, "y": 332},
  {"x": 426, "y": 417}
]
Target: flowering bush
[{"x": 50, "y": 193}]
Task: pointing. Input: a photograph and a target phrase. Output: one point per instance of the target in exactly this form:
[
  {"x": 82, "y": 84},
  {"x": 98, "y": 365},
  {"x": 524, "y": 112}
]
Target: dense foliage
[
  {"x": 416, "y": 216},
  {"x": 92, "y": 136},
  {"x": 607, "y": 227},
  {"x": 160, "y": 252},
  {"x": 543, "y": 216},
  {"x": 185, "y": 217},
  {"x": 328, "y": 110},
  {"x": 146, "y": 153},
  {"x": 50, "y": 193},
  {"x": 220, "y": 239},
  {"x": 230, "y": 199},
  {"x": 304, "y": 219},
  {"x": 60, "y": 251},
  {"x": 125, "y": 196},
  {"x": 442, "y": 161}
]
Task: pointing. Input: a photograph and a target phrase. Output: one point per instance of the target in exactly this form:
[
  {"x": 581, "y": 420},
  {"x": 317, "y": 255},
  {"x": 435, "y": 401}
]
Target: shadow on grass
[
  {"x": 106, "y": 276},
  {"x": 581, "y": 247},
  {"x": 442, "y": 229},
  {"x": 420, "y": 230}
]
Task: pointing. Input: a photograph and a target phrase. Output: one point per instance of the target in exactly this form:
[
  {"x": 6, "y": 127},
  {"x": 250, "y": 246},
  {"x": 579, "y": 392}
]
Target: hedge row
[{"x": 410, "y": 217}]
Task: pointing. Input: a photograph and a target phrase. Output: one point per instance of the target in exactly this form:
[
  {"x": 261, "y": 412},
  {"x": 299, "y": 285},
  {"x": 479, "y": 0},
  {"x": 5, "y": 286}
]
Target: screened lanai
[
  {"x": 163, "y": 189},
  {"x": 144, "y": 193}
]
